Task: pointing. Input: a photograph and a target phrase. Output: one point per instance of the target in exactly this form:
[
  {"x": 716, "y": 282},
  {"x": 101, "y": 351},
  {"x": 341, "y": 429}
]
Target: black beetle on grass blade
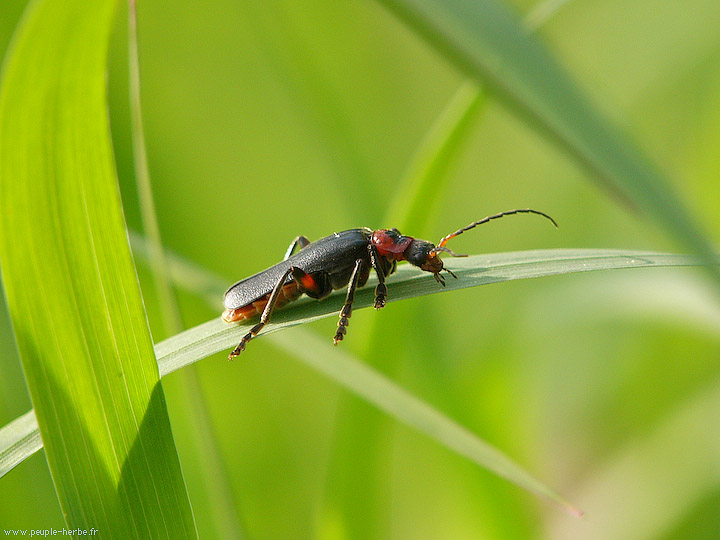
[{"x": 332, "y": 263}]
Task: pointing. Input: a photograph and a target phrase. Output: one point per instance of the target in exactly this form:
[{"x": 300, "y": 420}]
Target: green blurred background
[{"x": 265, "y": 120}]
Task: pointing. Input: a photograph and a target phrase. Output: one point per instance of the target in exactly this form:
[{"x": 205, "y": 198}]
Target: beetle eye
[{"x": 419, "y": 252}]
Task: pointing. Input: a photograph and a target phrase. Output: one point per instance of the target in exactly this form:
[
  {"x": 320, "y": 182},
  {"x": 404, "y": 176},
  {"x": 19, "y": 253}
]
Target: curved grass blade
[
  {"x": 214, "y": 474},
  {"x": 19, "y": 440},
  {"x": 215, "y": 336},
  {"x": 408, "y": 282},
  {"x": 401, "y": 405},
  {"x": 71, "y": 288},
  {"x": 487, "y": 43},
  {"x": 425, "y": 176},
  {"x": 684, "y": 448},
  {"x": 415, "y": 197}
]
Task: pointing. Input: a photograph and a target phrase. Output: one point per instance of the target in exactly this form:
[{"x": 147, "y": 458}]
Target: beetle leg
[
  {"x": 346, "y": 310},
  {"x": 301, "y": 241},
  {"x": 265, "y": 317},
  {"x": 381, "y": 289}
]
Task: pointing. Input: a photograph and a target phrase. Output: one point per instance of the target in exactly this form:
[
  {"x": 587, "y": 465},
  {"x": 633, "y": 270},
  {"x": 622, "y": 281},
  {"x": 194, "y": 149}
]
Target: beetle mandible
[{"x": 341, "y": 259}]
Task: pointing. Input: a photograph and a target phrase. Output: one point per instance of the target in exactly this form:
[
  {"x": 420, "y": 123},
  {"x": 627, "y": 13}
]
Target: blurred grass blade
[
  {"x": 425, "y": 176},
  {"x": 18, "y": 441},
  {"x": 213, "y": 470},
  {"x": 487, "y": 43},
  {"x": 542, "y": 12},
  {"x": 171, "y": 318},
  {"x": 71, "y": 288},
  {"x": 685, "y": 447},
  {"x": 401, "y": 405},
  {"x": 215, "y": 336}
]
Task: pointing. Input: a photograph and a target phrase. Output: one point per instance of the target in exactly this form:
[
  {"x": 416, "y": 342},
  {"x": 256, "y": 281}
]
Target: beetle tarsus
[
  {"x": 345, "y": 314},
  {"x": 339, "y": 335},
  {"x": 237, "y": 350},
  {"x": 380, "y": 295}
]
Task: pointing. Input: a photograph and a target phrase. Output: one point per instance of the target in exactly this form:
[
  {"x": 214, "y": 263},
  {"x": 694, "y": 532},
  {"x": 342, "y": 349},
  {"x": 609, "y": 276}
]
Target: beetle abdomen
[{"x": 288, "y": 293}]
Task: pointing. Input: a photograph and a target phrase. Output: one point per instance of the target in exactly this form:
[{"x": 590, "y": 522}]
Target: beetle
[{"x": 341, "y": 259}]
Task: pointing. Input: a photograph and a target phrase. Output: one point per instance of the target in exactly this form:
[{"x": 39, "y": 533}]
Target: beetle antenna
[
  {"x": 441, "y": 244},
  {"x": 448, "y": 250}
]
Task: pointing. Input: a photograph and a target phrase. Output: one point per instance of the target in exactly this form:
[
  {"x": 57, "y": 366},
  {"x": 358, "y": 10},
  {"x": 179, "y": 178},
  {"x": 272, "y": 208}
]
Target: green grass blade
[
  {"x": 426, "y": 173},
  {"x": 215, "y": 336},
  {"x": 401, "y": 405},
  {"x": 71, "y": 288},
  {"x": 416, "y": 199},
  {"x": 20, "y": 439},
  {"x": 484, "y": 40},
  {"x": 687, "y": 448},
  {"x": 214, "y": 471},
  {"x": 168, "y": 304}
]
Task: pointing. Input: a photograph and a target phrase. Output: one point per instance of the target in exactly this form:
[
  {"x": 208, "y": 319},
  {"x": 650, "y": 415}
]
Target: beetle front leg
[
  {"x": 265, "y": 317},
  {"x": 381, "y": 289},
  {"x": 346, "y": 310},
  {"x": 301, "y": 241}
]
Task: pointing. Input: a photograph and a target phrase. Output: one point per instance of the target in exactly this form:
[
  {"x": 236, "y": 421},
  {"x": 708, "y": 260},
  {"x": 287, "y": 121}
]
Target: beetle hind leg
[
  {"x": 299, "y": 242},
  {"x": 346, "y": 310},
  {"x": 315, "y": 285},
  {"x": 265, "y": 317}
]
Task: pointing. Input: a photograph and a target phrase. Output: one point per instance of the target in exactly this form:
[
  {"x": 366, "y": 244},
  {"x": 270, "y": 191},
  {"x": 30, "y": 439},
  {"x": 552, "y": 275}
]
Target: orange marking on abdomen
[{"x": 287, "y": 294}]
